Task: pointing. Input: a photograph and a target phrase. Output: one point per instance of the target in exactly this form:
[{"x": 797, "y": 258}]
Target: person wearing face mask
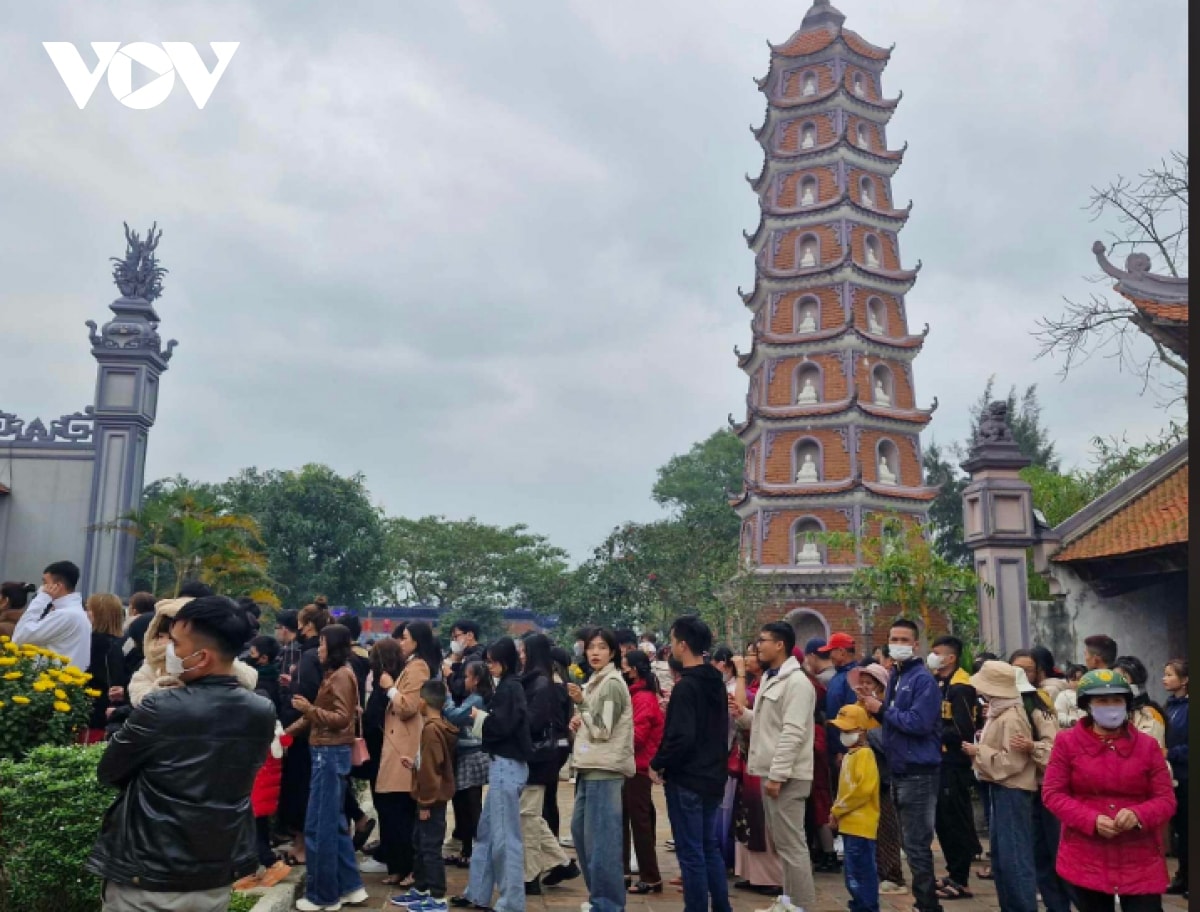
[
  {"x": 464, "y": 649},
  {"x": 180, "y": 830},
  {"x": 911, "y": 713},
  {"x": 1147, "y": 716},
  {"x": 955, "y": 820},
  {"x": 1109, "y": 787},
  {"x": 855, "y": 814},
  {"x": 819, "y": 665}
]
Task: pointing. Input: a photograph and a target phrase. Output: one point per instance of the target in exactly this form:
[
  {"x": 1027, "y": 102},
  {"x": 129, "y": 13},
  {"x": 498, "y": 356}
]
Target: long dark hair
[
  {"x": 386, "y": 658},
  {"x": 338, "y": 643},
  {"x": 1138, "y": 675},
  {"x": 477, "y": 672},
  {"x": 504, "y": 651},
  {"x": 428, "y": 649},
  {"x": 610, "y": 640},
  {"x": 639, "y": 664},
  {"x": 537, "y": 655}
]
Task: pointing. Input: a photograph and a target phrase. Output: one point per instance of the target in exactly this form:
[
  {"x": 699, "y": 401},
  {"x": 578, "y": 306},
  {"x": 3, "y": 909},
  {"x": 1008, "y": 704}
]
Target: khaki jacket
[
  {"x": 999, "y": 764},
  {"x": 329, "y": 720},
  {"x": 605, "y": 737},
  {"x": 402, "y": 729},
  {"x": 781, "y": 726}
]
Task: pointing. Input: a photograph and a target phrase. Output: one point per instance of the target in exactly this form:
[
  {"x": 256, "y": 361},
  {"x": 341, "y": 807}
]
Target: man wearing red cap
[{"x": 838, "y": 693}]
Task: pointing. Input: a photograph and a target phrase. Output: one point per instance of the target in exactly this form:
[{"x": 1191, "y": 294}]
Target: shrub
[
  {"x": 51, "y": 805},
  {"x": 243, "y": 902},
  {"x": 43, "y": 699}
]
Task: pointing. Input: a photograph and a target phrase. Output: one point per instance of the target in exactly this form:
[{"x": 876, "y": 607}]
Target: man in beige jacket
[{"x": 781, "y": 752}]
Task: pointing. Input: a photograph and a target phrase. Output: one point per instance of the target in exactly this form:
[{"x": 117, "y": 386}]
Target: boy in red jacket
[{"x": 264, "y": 801}]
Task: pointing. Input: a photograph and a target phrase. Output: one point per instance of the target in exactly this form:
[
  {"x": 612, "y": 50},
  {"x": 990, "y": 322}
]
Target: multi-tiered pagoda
[{"x": 832, "y": 422}]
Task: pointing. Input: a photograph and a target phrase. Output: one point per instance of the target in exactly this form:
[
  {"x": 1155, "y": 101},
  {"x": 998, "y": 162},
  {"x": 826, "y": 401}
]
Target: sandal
[
  {"x": 985, "y": 874},
  {"x": 291, "y": 860},
  {"x": 396, "y": 880},
  {"x": 641, "y": 888},
  {"x": 948, "y": 889}
]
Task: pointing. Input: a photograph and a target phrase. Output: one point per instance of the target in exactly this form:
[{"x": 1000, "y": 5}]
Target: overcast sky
[{"x": 486, "y": 252}]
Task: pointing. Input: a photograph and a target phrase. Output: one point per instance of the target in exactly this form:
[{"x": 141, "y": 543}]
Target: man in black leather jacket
[{"x": 181, "y": 831}]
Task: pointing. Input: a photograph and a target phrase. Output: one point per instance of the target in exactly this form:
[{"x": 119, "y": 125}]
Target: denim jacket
[
  {"x": 460, "y": 715},
  {"x": 912, "y": 719}
]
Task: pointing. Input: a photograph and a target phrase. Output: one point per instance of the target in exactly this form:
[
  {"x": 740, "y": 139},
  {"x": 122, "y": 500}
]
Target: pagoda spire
[{"x": 822, "y": 14}]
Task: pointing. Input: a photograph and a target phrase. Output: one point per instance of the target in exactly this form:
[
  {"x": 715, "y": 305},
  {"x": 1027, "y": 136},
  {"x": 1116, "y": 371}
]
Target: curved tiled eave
[
  {"x": 800, "y": 343},
  {"x": 879, "y": 498},
  {"x": 871, "y": 415},
  {"x": 813, "y": 42},
  {"x": 885, "y": 162},
  {"x": 843, "y": 206},
  {"x": 870, "y": 108},
  {"x": 841, "y": 272},
  {"x": 827, "y": 271}
]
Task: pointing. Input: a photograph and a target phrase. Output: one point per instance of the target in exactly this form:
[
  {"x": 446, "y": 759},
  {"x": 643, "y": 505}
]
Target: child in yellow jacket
[{"x": 856, "y": 812}]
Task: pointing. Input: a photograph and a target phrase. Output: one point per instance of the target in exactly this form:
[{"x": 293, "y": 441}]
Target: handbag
[{"x": 359, "y": 755}]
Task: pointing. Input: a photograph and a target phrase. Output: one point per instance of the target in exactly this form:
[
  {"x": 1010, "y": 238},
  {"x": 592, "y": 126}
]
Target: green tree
[
  {"x": 184, "y": 533},
  {"x": 946, "y": 511},
  {"x": 323, "y": 535},
  {"x": 474, "y": 570},
  {"x": 1024, "y": 420}
]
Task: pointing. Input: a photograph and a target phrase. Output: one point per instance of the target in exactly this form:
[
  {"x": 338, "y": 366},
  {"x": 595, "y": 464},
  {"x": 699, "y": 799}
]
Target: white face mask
[
  {"x": 648, "y": 648},
  {"x": 456, "y": 647},
  {"x": 827, "y": 675},
  {"x": 849, "y": 739},
  {"x": 933, "y": 660},
  {"x": 900, "y": 652},
  {"x": 174, "y": 662}
]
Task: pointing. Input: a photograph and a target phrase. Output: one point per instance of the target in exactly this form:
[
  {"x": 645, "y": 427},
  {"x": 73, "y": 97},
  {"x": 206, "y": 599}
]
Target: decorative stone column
[
  {"x": 131, "y": 360},
  {"x": 999, "y": 526}
]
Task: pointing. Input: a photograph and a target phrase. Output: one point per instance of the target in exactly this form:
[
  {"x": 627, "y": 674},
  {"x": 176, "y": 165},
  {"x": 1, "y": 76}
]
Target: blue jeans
[
  {"x": 1011, "y": 833},
  {"x": 698, "y": 849},
  {"x": 597, "y": 827},
  {"x": 859, "y": 867},
  {"x": 498, "y": 857},
  {"x": 332, "y": 869},
  {"x": 915, "y": 796}
]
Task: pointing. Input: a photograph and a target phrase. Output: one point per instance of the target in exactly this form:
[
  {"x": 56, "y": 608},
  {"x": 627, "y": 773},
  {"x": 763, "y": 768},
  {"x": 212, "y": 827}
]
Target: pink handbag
[{"x": 359, "y": 754}]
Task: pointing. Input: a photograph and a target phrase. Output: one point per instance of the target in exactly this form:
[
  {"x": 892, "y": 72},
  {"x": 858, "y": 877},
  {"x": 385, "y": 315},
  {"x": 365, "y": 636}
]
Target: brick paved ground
[{"x": 831, "y": 890}]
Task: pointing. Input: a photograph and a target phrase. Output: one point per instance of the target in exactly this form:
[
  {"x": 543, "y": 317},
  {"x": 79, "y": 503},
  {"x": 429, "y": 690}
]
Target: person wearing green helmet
[{"x": 1109, "y": 786}]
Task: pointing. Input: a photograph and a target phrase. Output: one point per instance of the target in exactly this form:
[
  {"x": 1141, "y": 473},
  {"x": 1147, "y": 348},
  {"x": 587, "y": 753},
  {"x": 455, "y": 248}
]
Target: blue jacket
[
  {"x": 460, "y": 714},
  {"x": 1177, "y": 736},
  {"x": 912, "y": 719},
  {"x": 837, "y": 695}
]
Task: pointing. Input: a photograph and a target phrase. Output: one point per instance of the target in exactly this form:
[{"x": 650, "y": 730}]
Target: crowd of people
[{"x": 234, "y": 754}]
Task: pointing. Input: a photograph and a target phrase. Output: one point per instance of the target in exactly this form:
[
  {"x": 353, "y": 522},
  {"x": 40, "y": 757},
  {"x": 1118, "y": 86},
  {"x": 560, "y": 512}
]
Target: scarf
[{"x": 996, "y": 706}]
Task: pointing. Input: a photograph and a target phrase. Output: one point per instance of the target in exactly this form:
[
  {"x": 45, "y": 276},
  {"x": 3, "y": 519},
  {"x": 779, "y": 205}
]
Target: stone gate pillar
[
  {"x": 131, "y": 360},
  {"x": 998, "y": 522}
]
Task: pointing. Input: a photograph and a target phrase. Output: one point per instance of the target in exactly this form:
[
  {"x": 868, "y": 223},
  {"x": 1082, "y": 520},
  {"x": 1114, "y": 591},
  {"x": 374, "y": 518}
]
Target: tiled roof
[
  {"x": 1154, "y": 519},
  {"x": 898, "y": 491},
  {"x": 1175, "y": 312},
  {"x": 803, "y": 43},
  {"x": 855, "y": 42}
]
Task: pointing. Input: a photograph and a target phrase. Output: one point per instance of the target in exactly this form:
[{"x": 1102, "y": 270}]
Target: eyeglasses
[{"x": 762, "y": 640}]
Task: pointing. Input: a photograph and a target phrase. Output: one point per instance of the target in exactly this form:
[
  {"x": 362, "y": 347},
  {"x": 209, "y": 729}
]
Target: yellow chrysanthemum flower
[
  {"x": 60, "y": 694},
  {"x": 92, "y": 692},
  {"x": 5, "y": 638},
  {"x": 11, "y": 646},
  {"x": 7, "y": 660},
  {"x": 43, "y": 686},
  {"x": 62, "y": 707},
  {"x": 20, "y": 701},
  {"x": 13, "y": 676},
  {"x": 53, "y": 673}
]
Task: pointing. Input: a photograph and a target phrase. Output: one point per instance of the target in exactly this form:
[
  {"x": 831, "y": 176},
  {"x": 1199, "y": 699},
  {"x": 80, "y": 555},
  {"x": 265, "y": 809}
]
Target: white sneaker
[
  {"x": 567, "y": 842},
  {"x": 782, "y": 904},
  {"x": 889, "y": 888},
  {"x": 371, "y": 866},
  {"x": 305, "y": 906},
  {"x": 357, "y": 898},
  {"x": 585, "y": 907}
]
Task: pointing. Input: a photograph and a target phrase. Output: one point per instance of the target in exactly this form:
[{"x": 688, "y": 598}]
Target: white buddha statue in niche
[
  {"x": 810, "y": 84},
  {"x": 808, "y": 322},
  {"x": 808, "y": 393},
  {"x": 808, "y": 554},
  {"x": 808, "y": 255},
  {"x": 872, "y": 256},
  {"x": 873, "y": 324},
  {"x": 886, "y": 475},
  {"x": 859, "y": 90},
  {"x": 864, "y": 138},
  {"x": 881, "y": 396},
  {"x": 808, "y": 138},
  {"x": 868, "y": 198},
  {"x": 807, "y": 196},
  {"x": 808, "y": 471}
]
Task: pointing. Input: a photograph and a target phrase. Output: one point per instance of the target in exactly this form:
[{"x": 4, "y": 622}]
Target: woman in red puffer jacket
[
  {"x": 637, "y": 793},
  {"x": 1110, "y": 786}
]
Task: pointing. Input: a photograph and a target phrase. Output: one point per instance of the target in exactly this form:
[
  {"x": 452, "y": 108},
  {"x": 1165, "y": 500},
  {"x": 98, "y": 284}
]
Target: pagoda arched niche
[
  {"x": 808, "y": 83},
  {"x": 807, "y": 548},
  {"x": 809, "y": 248},
  {"x": 860, "y": 85},
  {"x": 808, "y": 135},
  {"x": 876, "y": 316},
  {"x": 866, "y": 192},
  {"x": 807, "y": 624},
  {"x": 808, "y": 384},
  {"x": 862, "y": 136},
  {"x": 887, "y": 462},
  {"x": 808, "y": 191},
  {"x": 872, "y": 251},
  {"x": 883, "y": 386},
  {"x": 807, "y": 316},
  {"x": 808, "y": 461}
]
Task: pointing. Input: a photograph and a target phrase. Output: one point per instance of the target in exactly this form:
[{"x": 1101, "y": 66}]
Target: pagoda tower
[{"x": 832, "y": 424}]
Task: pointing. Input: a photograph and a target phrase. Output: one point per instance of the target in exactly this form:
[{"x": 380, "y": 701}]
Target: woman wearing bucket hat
[
  {"x": 871, "y": 680},
  {"x": 1012, "y": 780},
  {"x": 1108, "y": 785}
]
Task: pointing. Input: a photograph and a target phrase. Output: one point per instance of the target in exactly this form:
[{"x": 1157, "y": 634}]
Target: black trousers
[
  {"x": 955, "y": 821},
  {"x": 397, "y": 820},
  {"x": 429, "y": 870},
  {"x": 468, "y": 806},
  {"x": 550, "y": 797},
  {"x": 350, "y": 806},
  {"x": 1180, "y": 824},
  {"x": 1091, "y": 901},
  {"x": 262, "y": 832}
]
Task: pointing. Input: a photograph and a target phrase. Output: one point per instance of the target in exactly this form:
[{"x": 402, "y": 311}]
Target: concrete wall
[
  {"x": 1150, "y": 623},
  {"x": 45, "y": 517}
]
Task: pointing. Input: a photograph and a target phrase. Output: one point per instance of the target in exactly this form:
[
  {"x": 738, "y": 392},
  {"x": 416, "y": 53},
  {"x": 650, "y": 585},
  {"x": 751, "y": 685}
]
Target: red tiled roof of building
[
  {"x": 1154, "y": 519},
  {"x": 804, "y": 43},
  {"x": 1177, "y": 312},
  {"x": 859, "y": 45}
]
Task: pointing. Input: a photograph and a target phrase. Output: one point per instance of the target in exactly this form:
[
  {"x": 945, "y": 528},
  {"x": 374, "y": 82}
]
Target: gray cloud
[{"x": 486, "y": 253}]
